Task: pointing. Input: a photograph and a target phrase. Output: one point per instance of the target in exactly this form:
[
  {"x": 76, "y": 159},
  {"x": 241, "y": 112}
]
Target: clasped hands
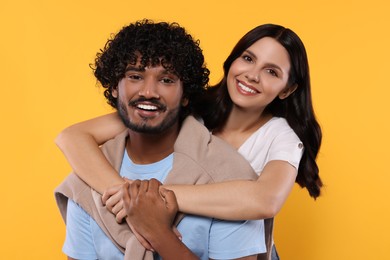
[{"x": 148, "y": 208}]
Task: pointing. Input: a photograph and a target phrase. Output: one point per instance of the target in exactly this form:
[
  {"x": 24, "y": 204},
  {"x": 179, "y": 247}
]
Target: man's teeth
[
  {"x": 245, "y": 88},
  {"x": 147, "y": 107}
]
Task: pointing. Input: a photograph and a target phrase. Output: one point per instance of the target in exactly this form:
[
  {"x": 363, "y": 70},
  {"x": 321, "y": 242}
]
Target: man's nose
[{"x": 149, "y": 89}]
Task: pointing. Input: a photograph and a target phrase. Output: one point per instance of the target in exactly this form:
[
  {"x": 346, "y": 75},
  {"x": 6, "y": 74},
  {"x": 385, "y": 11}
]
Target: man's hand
[
  {"x": 150, "y": 211},
  {"x": 112, "y": 199}
]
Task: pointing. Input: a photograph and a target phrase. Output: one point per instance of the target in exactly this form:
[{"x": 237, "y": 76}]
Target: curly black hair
[{"x": 162, "y": 43}]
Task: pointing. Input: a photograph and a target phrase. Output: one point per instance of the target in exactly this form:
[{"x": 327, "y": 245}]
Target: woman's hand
[{"x": 112, "y": 199}]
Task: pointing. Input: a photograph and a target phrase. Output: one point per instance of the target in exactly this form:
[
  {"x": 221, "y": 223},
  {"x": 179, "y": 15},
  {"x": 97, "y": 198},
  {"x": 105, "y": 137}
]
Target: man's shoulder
[
  {"x": 193, "y": 134},
  {"x": 118, "y": 140},
  {"x": 114, "y": 149},
  {"x": 195, "y": 145}
]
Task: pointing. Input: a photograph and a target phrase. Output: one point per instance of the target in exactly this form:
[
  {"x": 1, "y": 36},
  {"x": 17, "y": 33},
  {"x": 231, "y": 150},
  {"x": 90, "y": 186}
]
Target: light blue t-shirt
[{"x": 206, "y": 237}]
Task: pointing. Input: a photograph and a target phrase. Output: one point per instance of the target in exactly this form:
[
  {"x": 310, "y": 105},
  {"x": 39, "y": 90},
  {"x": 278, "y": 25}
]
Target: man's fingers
[
  {"x": 144, "y": 186},
  {"x": 170, "y": 199},
  {"x": 154, "y": 186},
  {"x": 134, "y": 189},
  {"x": 126, "y": 196},
  {"x": 168, "y": 195}
]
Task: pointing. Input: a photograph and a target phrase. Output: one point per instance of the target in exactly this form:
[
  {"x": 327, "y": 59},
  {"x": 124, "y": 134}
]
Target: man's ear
[
  {"x": 184, "y": 102},
  {"x": 114, "y": 92},
  {"x": 288, "y": 91}
]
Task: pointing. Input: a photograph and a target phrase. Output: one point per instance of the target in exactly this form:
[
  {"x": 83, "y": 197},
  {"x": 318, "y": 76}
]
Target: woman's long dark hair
[{"x": 297, "y": 109}]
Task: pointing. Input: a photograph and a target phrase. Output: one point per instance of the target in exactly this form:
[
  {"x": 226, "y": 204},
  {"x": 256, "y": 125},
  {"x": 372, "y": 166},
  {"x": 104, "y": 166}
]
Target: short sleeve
[
  {"x": 286, "y": 147},
  {"x": 79, "y": 241},
  {"x": 276, "y": 140},
  {"x": 235, "y": 239}
]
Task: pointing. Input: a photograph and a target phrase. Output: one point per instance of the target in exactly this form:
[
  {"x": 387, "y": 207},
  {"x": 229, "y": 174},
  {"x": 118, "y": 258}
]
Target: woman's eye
[
  {"x": 247, "y": 58},
  {"x": 272, "y": 72}
]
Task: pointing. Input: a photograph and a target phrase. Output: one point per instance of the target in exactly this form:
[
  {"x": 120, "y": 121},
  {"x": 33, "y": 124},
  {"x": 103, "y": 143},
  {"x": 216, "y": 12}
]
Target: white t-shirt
[{"x": 273, "y": 141}]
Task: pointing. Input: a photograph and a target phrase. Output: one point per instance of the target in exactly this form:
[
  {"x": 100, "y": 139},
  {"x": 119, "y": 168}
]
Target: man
[{"x": 153, "y": 74}]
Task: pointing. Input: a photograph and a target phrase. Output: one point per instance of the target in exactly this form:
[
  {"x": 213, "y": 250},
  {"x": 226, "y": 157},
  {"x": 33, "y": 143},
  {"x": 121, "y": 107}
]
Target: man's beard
[{"x": 171, "y": 118}]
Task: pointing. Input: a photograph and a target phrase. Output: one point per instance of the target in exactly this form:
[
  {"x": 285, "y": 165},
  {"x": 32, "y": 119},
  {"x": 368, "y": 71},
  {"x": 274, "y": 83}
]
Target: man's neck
[{"x": 150, "y": 148}]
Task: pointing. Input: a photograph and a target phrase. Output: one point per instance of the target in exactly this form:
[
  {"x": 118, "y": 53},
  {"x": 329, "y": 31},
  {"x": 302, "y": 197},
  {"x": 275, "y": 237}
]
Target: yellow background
[{"x": 46, "y": 85}]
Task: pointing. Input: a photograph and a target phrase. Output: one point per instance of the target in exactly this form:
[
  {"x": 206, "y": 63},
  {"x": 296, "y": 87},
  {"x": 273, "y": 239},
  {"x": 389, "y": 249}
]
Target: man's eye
[
  {"x": 167, "y": 81},
  {"x": 135, "y": 77}
]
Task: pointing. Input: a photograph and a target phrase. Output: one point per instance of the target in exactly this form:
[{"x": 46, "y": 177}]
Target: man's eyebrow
[
  {"x": 134, "y": 68},
  {"x": 169, "y": 72},
  {"x": 142, "y": 69}
]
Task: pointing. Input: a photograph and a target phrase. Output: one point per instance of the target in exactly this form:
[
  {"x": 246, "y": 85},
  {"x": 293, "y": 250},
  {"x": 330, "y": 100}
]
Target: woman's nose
[{"x": 253, "y": 76}]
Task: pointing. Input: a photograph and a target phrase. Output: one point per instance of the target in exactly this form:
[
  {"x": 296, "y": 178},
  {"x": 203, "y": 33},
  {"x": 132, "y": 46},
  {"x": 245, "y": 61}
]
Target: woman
[{"x": 262, "y": 107}]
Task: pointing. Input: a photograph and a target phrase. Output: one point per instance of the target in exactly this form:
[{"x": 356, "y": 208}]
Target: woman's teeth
[{"x": 245, "y": 88}]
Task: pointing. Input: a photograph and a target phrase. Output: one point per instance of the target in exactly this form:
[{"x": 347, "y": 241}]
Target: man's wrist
[{"x": 161, "y": 238}]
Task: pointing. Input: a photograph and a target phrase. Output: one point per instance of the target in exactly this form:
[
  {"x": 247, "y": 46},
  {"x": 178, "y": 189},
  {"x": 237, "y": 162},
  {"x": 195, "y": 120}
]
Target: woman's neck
[{"x": 241, "y": 124}]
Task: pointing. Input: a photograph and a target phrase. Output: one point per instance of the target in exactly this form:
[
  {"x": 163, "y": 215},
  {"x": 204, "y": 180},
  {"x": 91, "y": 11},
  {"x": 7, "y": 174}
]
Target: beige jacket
[{"x": 199, "y": 158}]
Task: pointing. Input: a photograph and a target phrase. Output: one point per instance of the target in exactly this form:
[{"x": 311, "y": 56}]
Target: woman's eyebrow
[
  {"x": 273, "y": 65},
  {"x": 251, "y": 53},
  {"x": 268, "y": 64}
]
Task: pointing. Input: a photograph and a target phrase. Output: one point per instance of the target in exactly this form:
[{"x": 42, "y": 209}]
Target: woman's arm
[
  {"x": 79, "y": 143},
  {"x": 233, "y": 200},
  {"x": 237, "y": 200}
]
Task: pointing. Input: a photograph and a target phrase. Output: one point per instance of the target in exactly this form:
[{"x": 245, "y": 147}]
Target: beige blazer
[{"x": 199, "y": 158}]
